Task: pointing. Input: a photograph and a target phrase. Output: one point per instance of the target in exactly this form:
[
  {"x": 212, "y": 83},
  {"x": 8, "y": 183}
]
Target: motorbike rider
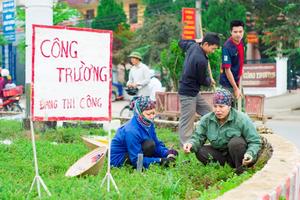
[
  {"x": 5, "y": 79},
  {"x": 139, "y": 75}
]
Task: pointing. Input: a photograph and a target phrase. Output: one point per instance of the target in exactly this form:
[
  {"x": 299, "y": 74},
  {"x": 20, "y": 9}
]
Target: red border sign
[
  {"x": 71, "y": 74},
  {"x": 189, "y": 23},
  {"x": 259, "y": 75}
]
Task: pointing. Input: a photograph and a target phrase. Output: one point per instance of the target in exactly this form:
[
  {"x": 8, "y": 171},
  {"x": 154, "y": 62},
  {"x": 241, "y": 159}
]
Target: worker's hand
[
  {"x": 199, "y": 40},
  {"x": 247, "y": 159},
  {"x": 237, "y": 93},
  {"x": 187, "y": 147},
  {"x": 171, "y": 157},
  {"x": 132, "y": 85},
  {"x": 173, "y": 151},
  {"x": 166, "y": 162}
]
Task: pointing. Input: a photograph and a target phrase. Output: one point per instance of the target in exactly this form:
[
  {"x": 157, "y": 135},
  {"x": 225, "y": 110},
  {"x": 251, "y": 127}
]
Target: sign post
[
  {"x": 9, "y": 22},
  {"x": 71, "y": 77}
]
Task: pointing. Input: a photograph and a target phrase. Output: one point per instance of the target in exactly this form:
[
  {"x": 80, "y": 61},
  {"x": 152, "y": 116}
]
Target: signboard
[
  {"x": 252, "y": 38},
  {"x": 8, "y": 16},
  {"x": 71, "y": 74},
  {"x": 189, "y": 23},
  {"x": 259, "y": 75}
]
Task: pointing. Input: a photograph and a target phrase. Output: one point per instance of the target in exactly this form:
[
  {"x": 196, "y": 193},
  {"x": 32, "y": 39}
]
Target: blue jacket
[
  {"x": 129, "y": 139},
  {"x": 194, "y": 73}
]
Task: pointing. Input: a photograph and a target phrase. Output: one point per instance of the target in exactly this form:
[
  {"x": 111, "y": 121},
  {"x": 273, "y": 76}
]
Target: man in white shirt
[
  {"x": 139, "y": 75},
  {"x": 154, "y": 85}
]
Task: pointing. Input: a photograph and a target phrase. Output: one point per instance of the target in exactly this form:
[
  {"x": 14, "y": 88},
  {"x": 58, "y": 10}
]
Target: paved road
[{"x": 287, "y": 129}]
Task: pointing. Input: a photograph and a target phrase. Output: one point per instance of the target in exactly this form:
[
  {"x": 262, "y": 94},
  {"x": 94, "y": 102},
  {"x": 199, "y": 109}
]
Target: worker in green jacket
[{"x": 232, "y": 135}]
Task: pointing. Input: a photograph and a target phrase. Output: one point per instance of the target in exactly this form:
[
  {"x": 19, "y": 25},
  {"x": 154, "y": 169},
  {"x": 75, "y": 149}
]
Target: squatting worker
[
  {"x": 232, "y": 135},
  {"x": 138, "y": 136},
  {"x": 194, "y": 74}
]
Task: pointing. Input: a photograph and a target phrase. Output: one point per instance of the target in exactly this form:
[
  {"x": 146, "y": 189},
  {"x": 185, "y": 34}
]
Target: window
[
  {"x": 133, "y": 11},
  {"x": 90, "y": 14}
]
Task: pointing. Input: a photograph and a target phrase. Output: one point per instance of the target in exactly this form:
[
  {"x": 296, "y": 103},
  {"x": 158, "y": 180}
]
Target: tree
[
  {"x": 61, "y": 12},
  {"x": 219, "y": 14},
  {"x": 277, "y": 23},
  {"x": 153, "y": 37},
  {"x": 157, "y": 7},
  {"x": 109, "y": 15},
  {"x": 171, "y": 62}
]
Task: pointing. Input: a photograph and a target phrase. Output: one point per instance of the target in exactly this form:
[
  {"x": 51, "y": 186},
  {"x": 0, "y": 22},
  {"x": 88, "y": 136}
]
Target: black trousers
[
  {"x": 148, "y": 148},
  {"x": 233, "y": 155}
]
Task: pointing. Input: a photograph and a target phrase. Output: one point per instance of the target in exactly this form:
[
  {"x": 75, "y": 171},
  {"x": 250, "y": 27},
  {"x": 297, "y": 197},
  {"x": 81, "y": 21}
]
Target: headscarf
[
  {"x": 222, "y": 96},
  {"x": 139, "y": 105}
]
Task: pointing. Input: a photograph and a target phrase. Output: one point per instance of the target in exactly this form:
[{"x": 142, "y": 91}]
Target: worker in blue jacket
[{"x": 138, "y": 136}]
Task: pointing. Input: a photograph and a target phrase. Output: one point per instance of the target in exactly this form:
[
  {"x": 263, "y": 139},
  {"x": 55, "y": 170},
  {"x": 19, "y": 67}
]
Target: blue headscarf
[
  {"x": 222, "y": 96},
  {"x": 139, "y": 105}
]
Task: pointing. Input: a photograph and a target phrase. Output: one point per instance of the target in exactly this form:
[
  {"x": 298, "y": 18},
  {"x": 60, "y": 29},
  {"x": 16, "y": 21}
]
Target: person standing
[
  {"x": 233, "y": 60},
  {"x": 154, "y": 85},
  {"x": 139, "y": 75},
  {"x": 194, "y": 74},
  {"x": 232, "y": 135}
]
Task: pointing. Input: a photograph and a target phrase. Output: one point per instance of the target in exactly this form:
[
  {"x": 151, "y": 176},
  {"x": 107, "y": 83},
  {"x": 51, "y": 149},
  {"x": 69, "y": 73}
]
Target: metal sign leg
[
  {"x": 37, "y": 179},
  {"x": 108, "y": 175}
]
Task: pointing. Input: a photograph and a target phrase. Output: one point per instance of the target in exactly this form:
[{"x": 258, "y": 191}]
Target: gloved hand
[
  {"x": 171, "y": 157},
  {"x": 173, "y": 151},
  {"x": 247, "y": 159},
  {"x": 166, "y": 162}
]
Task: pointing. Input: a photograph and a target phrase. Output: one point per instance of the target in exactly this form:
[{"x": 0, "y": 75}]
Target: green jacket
[{"x": 238, "y": 124}]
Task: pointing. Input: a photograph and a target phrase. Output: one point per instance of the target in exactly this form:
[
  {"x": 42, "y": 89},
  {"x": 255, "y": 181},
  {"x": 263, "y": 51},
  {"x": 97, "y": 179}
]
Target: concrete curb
[{"x": 279, "y": 177}]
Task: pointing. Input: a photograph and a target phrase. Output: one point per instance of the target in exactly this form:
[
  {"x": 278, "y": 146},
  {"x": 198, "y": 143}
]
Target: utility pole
[
  {"x": 199, "y": 32},
  {"x": 37, "y": 12}
]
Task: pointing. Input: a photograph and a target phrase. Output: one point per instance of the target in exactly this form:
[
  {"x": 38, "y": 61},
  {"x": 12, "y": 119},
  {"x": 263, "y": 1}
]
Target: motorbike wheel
[
  {"x": 126, "y": 112},
  {"x": 15, "y": 107}
]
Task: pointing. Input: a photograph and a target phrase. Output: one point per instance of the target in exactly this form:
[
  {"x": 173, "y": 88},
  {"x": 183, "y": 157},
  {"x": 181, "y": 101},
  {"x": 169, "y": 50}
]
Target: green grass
[{"x": 189, "y": 179}]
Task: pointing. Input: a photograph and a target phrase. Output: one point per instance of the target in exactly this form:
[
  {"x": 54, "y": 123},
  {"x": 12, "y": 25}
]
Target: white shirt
[
  {"x": 154, "y": 86},
  {"x": 140, "y": 75}
]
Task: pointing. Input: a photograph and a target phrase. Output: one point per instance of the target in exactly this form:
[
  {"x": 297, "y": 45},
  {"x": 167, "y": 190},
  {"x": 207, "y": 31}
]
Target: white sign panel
[{"x": 71, "y": 74}]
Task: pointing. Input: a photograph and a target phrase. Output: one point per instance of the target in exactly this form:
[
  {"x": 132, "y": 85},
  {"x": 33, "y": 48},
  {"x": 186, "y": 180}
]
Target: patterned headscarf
[
  {"x": 139, "y": 105},
  {"x": 222, "y": 96}
]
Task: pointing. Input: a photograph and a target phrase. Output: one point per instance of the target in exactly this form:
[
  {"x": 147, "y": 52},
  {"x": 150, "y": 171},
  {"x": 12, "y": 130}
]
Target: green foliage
[
  {"x": 62, "y": 12},
  {"x": 280, "y": 20},
  {"x": 110, "y": 15},
  {"x": 156, "y": 34},
  {"x": 10, "y": 129},
  {"x": 154, "y": 8},
  {"x": 157, "y": 7},
  {"x": 219, "y": 14},
  {"x": 171, "y": 61},
  {"x": 189, "y": 179},
  {"x": 215, "y": 60}
]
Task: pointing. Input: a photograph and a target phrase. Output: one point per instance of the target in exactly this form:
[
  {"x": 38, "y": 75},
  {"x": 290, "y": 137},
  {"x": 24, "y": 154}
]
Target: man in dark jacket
[{"x": 193, "y": 76}]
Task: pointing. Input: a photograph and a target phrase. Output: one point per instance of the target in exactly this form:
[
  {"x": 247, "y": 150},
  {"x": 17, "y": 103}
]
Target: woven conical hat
[
  {"x": 90, "y": 164},
  {"x": 93, "y": 142}
]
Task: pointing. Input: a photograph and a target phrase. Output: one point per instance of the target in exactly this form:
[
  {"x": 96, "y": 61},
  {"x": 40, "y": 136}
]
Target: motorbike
[{"x": 11, "y": 100}]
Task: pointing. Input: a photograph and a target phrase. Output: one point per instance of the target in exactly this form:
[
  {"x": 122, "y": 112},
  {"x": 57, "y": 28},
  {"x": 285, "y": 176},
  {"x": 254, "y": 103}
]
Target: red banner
[
  {"x": 189, "y": 23},
  {"x": 259, "y": 75}
]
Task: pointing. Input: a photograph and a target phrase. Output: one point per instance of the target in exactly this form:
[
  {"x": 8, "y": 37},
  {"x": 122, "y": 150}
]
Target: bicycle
[{"x": 126, "y": 110}]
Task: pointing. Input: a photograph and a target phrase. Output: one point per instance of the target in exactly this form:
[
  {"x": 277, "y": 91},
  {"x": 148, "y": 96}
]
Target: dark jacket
[{"x": 194, "y": 73}]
